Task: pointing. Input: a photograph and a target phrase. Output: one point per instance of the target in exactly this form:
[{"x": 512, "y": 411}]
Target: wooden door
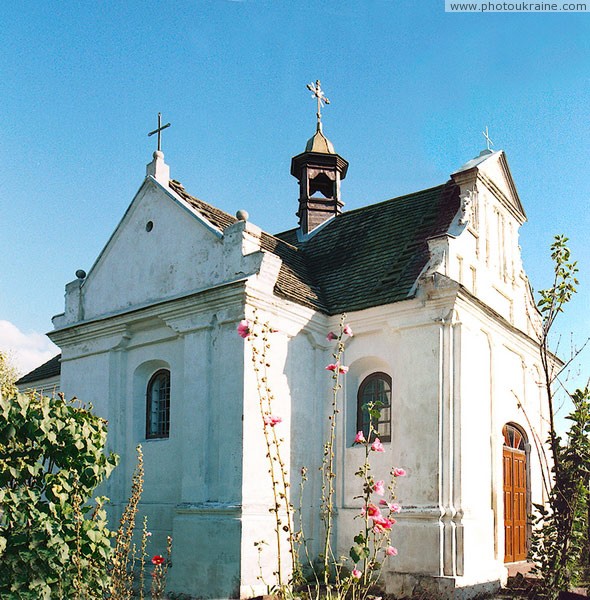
[{"x": 515, "y": 494}]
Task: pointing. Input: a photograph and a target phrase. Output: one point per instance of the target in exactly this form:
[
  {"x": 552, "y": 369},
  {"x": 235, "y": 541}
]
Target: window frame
[
  {"x": 360, "y": 423},
  {"x": 163, "y": 427}
]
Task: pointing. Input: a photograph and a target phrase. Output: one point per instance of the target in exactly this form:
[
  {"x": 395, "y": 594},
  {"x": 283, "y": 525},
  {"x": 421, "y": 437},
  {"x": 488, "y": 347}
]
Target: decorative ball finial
[
  {"x": 81, "y": 274},
  {"x": 242, "y": 215}
]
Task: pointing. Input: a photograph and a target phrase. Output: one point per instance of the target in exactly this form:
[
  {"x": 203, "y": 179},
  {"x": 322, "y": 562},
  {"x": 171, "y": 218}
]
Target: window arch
[
  {"x": 514, "y": 437},
  {"x": 158, "y": 405},
  {"x": 375, "y": 388}
]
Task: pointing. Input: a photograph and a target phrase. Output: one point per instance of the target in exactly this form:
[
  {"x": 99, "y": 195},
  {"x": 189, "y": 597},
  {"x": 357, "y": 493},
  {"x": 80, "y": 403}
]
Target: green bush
[
  {"x": 8, "y": 376},
  {"x": 53, "y": 544}
]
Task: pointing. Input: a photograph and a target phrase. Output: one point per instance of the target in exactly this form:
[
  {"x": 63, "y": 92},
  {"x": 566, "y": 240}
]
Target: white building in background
[{"x": 445, "y": 330}]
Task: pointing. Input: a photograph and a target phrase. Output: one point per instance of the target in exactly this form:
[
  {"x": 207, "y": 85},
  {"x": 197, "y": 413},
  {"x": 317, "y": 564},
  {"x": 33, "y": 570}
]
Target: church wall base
[
  {"x": 443, "y": 588},
  {"x": 205, "y": 552}
]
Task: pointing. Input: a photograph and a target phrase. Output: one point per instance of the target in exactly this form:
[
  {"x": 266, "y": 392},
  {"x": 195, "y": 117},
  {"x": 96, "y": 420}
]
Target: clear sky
[{"x": 411, "y": 89}]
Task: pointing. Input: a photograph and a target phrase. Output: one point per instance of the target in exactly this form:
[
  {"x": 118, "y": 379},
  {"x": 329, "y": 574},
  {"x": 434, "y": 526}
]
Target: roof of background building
[{"x": 52, "y": 368}]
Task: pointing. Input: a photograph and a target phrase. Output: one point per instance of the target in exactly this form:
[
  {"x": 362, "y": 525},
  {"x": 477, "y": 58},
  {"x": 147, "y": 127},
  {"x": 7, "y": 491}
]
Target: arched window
[
  {"x": 158, "y": 405},
  {"x": 376, "y": 389}
]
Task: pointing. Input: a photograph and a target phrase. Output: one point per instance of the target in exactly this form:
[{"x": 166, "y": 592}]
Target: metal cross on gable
[
  {"x": 487, "y": 137},
  {"x": 159, "y": 131},
  {"x": 318, "y": 93}
]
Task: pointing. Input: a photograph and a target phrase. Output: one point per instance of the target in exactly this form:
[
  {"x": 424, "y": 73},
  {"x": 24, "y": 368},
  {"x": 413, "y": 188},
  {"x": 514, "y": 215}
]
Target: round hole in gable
[{"x": 149, "y": 226}]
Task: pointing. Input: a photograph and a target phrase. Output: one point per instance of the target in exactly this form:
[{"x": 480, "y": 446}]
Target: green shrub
[{"x": 53, "y": 544}]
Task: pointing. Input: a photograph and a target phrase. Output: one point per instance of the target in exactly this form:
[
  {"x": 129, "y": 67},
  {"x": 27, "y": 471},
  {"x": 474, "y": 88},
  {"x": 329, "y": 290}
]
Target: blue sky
[{"x": 411, "y": 89}]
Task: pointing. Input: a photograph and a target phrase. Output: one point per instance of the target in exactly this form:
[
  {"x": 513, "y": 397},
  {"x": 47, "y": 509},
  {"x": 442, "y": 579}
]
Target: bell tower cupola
[{"x": 319, "y": 171}]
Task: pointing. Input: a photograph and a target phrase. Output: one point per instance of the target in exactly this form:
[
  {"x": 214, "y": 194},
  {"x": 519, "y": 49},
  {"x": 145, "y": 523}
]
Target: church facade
[{"x": 445, "y": 329}]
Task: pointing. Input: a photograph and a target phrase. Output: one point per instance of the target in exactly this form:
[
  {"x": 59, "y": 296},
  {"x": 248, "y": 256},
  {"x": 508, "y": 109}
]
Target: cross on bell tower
[
  {"x": 318, "y": 93},
  {"x": 319, "y": 171}
]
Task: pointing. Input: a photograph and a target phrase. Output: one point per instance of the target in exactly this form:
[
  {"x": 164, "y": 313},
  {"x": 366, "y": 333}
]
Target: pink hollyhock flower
[
  {"x": 331, "y": 336},
  {"x": 356, "y": 573},
  {"x": 381, "y": 523},
  {"x": 337, "y": 367},
  {"x": 391, "y": 551},
  {"x": 394, "y": 508},
  {"x": 397, "y": 472},
  {"x": 377, "y": 446},
  {"x": 244, "y": 329},
  {"x": 360, "y": 438},
  {"x": 272, "y": 420},
  {"x": 373, "y": 510},
  {"x": 347, "y": 330},
  {"x": 379, "y": 487},
  {"x": 158, "y": 559}
]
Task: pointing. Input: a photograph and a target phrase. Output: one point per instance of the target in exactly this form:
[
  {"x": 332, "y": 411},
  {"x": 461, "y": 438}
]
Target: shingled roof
[
  {"x": 373, "y": 255},
  {"x": 52, "y": 368},
  {"x": 362, "y": 258}
]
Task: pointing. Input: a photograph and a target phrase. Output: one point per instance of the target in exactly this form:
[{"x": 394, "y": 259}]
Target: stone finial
[
  {"x": 158, "y": 169},
  {"x": 242, "y": 215}
]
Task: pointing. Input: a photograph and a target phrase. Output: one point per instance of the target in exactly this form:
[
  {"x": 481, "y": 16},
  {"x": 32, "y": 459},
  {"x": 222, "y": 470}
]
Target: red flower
[{"x": 158, "y": 559}]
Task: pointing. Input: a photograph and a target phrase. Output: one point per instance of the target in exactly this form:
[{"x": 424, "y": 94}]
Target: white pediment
[
  {"x": 491, "y": 168},
  {"x": 162, "y": 248}
]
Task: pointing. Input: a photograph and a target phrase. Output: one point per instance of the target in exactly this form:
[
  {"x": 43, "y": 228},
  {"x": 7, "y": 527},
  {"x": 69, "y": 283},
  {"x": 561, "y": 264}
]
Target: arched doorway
[{"x": 515, "y": 494}]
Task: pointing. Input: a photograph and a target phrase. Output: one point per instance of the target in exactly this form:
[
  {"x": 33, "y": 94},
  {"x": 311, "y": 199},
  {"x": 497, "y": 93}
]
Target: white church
[{"x": 445, "y": 329}]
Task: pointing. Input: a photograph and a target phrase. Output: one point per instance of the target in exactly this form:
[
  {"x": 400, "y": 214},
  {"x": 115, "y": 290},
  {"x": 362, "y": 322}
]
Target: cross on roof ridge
[
  {"x": 487, "y": 137},
  {"x": 159, "y": 130}
]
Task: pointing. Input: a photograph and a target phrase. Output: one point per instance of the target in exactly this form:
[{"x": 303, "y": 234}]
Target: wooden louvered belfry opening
[{"x": 515, "y": 495}]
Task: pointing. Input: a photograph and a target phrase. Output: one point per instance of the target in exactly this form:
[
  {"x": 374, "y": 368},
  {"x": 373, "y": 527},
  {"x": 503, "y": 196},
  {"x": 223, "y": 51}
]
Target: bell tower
[{"x": 319, "y": 171}]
